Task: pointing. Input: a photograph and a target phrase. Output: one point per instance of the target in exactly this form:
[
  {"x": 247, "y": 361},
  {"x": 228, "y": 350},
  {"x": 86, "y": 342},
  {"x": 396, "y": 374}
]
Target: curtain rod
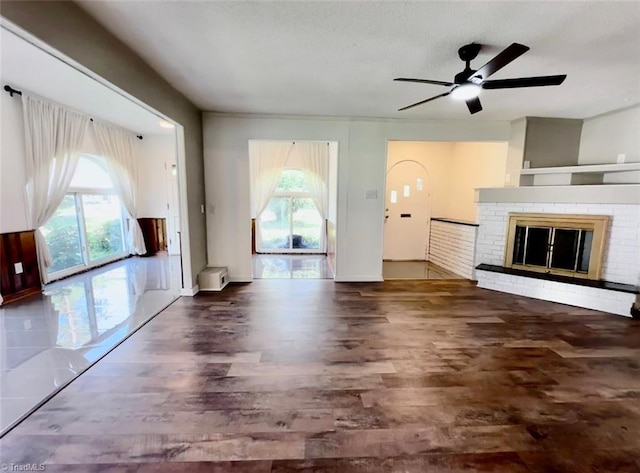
[
  {"x": 12, "y": 91},
  {"x": 295, "y": 142}
]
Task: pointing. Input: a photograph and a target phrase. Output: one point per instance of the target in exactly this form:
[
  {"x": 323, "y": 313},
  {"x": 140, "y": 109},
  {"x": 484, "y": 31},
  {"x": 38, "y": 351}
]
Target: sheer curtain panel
[
  {"x": 314, "y": 158},
  {"x": 266, "y": 162},
  {"x": 53, "y": 137},
  {"x": 118, "y": 147}
]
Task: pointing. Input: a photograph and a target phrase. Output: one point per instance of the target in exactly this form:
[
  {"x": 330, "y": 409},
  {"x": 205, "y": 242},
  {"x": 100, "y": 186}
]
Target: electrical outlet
[
  {"x": 18, "y": 268},
  {"x": 621, "y": 158},
  {"x": 371, "y": 194}
]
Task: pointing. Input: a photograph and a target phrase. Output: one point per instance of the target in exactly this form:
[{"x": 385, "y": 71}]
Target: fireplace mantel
[{"x": 597, "y": 194}]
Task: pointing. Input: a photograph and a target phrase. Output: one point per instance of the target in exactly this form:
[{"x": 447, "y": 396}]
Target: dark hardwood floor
[{"x": 312, "y": 376}]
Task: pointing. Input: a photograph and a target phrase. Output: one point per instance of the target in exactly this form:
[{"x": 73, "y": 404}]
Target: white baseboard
[
  {"x": 190, "y": 292},
  {"x": 358, "y": 279},
  {"x": 241, "y": 279}
]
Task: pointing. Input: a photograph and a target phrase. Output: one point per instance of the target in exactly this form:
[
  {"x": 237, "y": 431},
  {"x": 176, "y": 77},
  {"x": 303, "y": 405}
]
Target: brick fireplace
[{"x": 610, "y": 286}]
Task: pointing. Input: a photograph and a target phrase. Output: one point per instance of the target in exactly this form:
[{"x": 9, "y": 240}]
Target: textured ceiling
[{"x": 339, "y": 58}]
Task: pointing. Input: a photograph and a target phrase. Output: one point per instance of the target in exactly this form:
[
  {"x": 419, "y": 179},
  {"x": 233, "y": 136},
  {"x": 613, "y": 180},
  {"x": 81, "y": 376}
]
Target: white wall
[
  {"x": 332, "y": 210},
  {"x": 362, "y": 147},
  {"x": 155, "y": 152},
  {"x": 515, "y": 152},
  {"x": 13, "y": 214},
  {"x": 606, "y": 136}
]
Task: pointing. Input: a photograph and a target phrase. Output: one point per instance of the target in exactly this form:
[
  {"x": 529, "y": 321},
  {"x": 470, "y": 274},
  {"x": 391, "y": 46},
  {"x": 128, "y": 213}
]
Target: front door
[{"x": 406, "y": 230}]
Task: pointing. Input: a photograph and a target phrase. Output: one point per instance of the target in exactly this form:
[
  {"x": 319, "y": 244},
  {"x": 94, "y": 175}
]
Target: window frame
[
  {"x": 292, "y": 195},
  {"x": 77, "y": 193}
]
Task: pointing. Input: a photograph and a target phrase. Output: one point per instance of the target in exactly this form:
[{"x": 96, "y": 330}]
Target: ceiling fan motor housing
[
  {"x": 463, "y": 76},
  {"x": 467, "y": 53}
]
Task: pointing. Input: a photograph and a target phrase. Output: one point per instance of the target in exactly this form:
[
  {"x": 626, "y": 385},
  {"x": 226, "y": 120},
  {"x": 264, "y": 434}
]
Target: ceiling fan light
[{"x": 466, "y": 91}]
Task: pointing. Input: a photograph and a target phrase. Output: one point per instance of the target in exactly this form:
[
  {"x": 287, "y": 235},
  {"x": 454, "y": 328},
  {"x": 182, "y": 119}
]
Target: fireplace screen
[{"x": 563, "y": 244}]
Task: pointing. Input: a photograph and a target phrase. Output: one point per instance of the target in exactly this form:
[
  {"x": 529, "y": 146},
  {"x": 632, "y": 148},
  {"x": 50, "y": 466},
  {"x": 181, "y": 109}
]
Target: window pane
[
  {"x": 63, "y": 236},
  {"x": 307, "y": 224},
  {"x": 275, "y": 224},
  {"x": 537, "y": 245},
  {"x": 518, "y": 245},
  {"x": 565, "y": 245},
  {"x": 584, "y": 254},
  {"x": 90, "y": 175},
  {"x": 103, "y": 221},
  {"x": 291, "y": 180}
]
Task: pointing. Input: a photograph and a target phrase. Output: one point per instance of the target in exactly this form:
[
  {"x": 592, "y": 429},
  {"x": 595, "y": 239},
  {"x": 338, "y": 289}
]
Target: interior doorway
[
  {"x": 407, "y": 212},
  {"x": 293, "y": 208},
  {"x": 95, "y": 208}
]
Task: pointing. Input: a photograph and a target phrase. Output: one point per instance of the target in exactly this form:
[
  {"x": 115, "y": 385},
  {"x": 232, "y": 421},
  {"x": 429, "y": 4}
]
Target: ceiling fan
[{"x": 467, "y": 84}]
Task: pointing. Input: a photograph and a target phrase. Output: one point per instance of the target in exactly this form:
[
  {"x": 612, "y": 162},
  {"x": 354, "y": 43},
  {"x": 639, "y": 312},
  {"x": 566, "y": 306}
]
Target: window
[
  {"x": 291, "y": 222},
  {"x": 569, "y": 245},
  {"x": 87, "y": 229}
]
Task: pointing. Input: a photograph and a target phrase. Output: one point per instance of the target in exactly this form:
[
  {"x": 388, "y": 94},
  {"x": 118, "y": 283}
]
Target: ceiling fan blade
[
  {"x": 424, "y": 101},
  {"x": 505, "y": 57},
  {"x": 474, "y": 105},
  {"x": 424, "y": 81},
  {"x": 540, "y": 81}
]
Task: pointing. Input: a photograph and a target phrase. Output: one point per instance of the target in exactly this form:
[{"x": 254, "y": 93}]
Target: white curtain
[
  {"x": 118, "y": 147},
  {"x": 53, "y": 137},
  {"x": 315, "y": 161},
  {"x": 266, "y": 162}
]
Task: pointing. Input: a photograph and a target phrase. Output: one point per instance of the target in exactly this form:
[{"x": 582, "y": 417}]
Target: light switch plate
[
  {"x": 371, "y": 194},
  {"x": 18, "y": 268}
]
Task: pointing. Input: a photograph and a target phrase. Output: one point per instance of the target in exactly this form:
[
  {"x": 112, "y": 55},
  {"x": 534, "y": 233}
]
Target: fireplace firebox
[{"x": 569, "y": 245}]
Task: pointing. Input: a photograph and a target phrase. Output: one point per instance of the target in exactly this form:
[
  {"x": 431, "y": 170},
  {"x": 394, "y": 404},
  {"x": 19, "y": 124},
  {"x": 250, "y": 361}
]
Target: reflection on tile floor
[
  {"x": 46, "y": 341},
  {"x": 291, "y": 267},
  {"x": 415, "y": 270}
]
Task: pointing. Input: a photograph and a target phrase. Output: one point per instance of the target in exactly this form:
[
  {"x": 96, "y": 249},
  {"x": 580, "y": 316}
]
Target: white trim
[
  {"x": 190, "y": 292},
  {"x": 185, "y": 243},
  {"x": 583, "y": 168},
  {"x": 584, "y": 194},
  {"x": 358, "y": 279},
  {"x": 241, "y": 279}
]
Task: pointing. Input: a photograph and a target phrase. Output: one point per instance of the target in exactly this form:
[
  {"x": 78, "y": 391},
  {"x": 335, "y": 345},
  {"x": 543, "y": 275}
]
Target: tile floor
[
  {"x": 291, "y": 267},
  {"x": 47, "y": 341},
  {"x": 415, "y": 270}
]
